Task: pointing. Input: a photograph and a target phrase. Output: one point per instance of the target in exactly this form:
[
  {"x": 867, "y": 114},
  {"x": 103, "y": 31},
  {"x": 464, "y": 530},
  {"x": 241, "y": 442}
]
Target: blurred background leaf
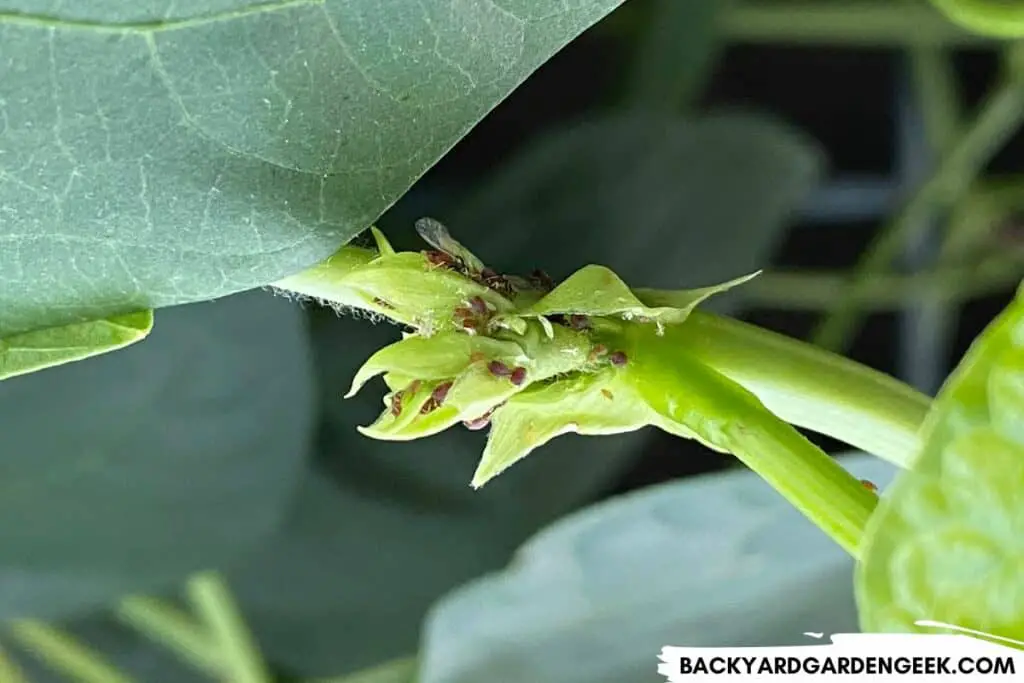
[
  {"x": 125, "y": 472},
  {"x": 715, "y": 561}
]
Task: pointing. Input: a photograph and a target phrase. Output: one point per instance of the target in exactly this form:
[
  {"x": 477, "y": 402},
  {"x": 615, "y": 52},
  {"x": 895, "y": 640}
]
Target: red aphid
[
  {"x": 518, "y": 376},
  {"x": 579, "y": 322},
  {"x": 618, "y": 358},
  {"x": 869, "y": 485},
  {"x": 437, "y": 397},
  {"x": 439, "y": 258},
  {"x": 499, "y": 369},
  {"x": 396, "y": 403},
  {"x": 479, "y": 306},
  {"x": 478, "y": 423}
]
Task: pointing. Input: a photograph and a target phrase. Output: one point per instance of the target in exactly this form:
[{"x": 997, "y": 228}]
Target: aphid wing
[{"x": 437, "y": 236}]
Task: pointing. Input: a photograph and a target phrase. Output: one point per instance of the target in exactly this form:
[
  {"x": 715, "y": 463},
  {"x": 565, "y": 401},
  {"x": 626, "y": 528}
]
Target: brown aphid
[
  {"x": 607, "y": 394},
  {"x": 479, "y": 306},
  {"x": 518, "y": 376},
  {"x": 383, "y": 304},
  {"x": 596, "y": 352},
  {"x": 618, "y": 358},
  {"x": 869, "y": 485},
  {"x": 542, "y": 280},
  {"x": 437, "y": 397},
  {"x": 579, "y": 322},
  {"x": 443, "y": 260},
  {"x": 478, "y": 423},
  {"x": 498, "y": 369},
  {"x": 396, "y": 403}
]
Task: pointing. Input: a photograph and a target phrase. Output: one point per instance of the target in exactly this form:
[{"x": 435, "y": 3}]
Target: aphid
[
  {"x": 443, "y": 260},
  {"x": 541, "y": 280},
  {"x": 383, "y": 304},
  {"x": 579, "y": 322},
  {"x": 618, "y": 358},
  {"x": 607, "y": 394},
  {"x": 596, "y": 352},
  {"x": 499, "y": 284},
  {"x": 396, "y": 403},
  {"x": 479, "y": 306},
  {"x": 869, "y": 485},
  {"x": 498, "y": 369},
  {"x": 437, "y": 397},
  {"x": 478, "y": 423},
  {"x": 518, "y": 376},
  {"x": 436, "y": 235}
]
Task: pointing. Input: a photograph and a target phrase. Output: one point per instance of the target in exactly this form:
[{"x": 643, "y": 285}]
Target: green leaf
[
  {"x": 711, "y": 561},
  {"x": 989, "y": 17},
  {"x": 596, "y": 290},
  {"x": 156, "y": 155},
  {"x": 945, "y": 545},
  {"x": 31, "y": 351},
  {"x": 129, "y": 471}
]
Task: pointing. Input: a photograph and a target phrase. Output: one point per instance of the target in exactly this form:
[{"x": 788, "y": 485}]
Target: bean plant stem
[
  {"x": 62, "y": 653},
  {"x": 241, "y": 660},
  {"x": 166, "y": 625},
  {"x": 997, "y": 120},
  {"x": 809, "y": 387}
]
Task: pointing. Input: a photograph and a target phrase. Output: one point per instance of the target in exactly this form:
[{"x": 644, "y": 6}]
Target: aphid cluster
[
  {"x": 473, "y": 317},
  {"x": 448, "y": 253}
]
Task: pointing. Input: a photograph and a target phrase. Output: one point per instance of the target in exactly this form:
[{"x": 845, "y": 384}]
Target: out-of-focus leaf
[
  {"x": 123, "y": 473},
  {"x": 31, "y": 351},
  {"x": 718, "y": 560},
  {"x": 946, "y": 544},
  {"x": 667, "y": 203},
  {"x": 677, "y": 50},
  {"x": 160, "y": 153}
]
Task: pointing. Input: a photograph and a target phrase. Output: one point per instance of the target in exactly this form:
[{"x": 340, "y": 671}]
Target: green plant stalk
[
  {"x": 817, "y": 290},
  {"x": 679, "y": 385},
  {"x": 62, "y": 653},
  {"x": 872, "y": 23},
  {"x": 809, "y": 387},
  {"x": 935, "y": 83},
  {"x": 166, "y": 625},
  {"x": 212, "y": 600},
  {"x": 999, "y": 117},
  {"x": 10, "y": 672},
  {"x": 995, "y": 18}
]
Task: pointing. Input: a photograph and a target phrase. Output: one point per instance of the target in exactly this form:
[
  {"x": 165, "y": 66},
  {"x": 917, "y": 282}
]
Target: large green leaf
[
  {"x": 714, "y": 561},
  {"x": 948, "y": 544},
  {"x": 123, "y": 473},
  {"x": 159, "y": 153}
]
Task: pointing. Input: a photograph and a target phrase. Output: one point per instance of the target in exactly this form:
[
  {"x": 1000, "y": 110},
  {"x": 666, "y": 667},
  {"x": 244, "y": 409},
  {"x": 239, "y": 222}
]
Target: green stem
[
  {"x": 991, "y": 17},
  {"x": 168, "y": 626},
  {"x": 241, "y": 659},
  {"x": 998, "y": 119},
  {"x": 878, "y": 23},
  {"x": 815, "y": 291},
  {"x": 320, "y": 281},
  {"x": 733, "y": 419},
  {"x": 398, "y": 671},
  {"x": 61, "y": 652},
  {"x": 935, "y": 83},
  {"x": 10, "y": 672},
  {"x": 809, "y": 387}
]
